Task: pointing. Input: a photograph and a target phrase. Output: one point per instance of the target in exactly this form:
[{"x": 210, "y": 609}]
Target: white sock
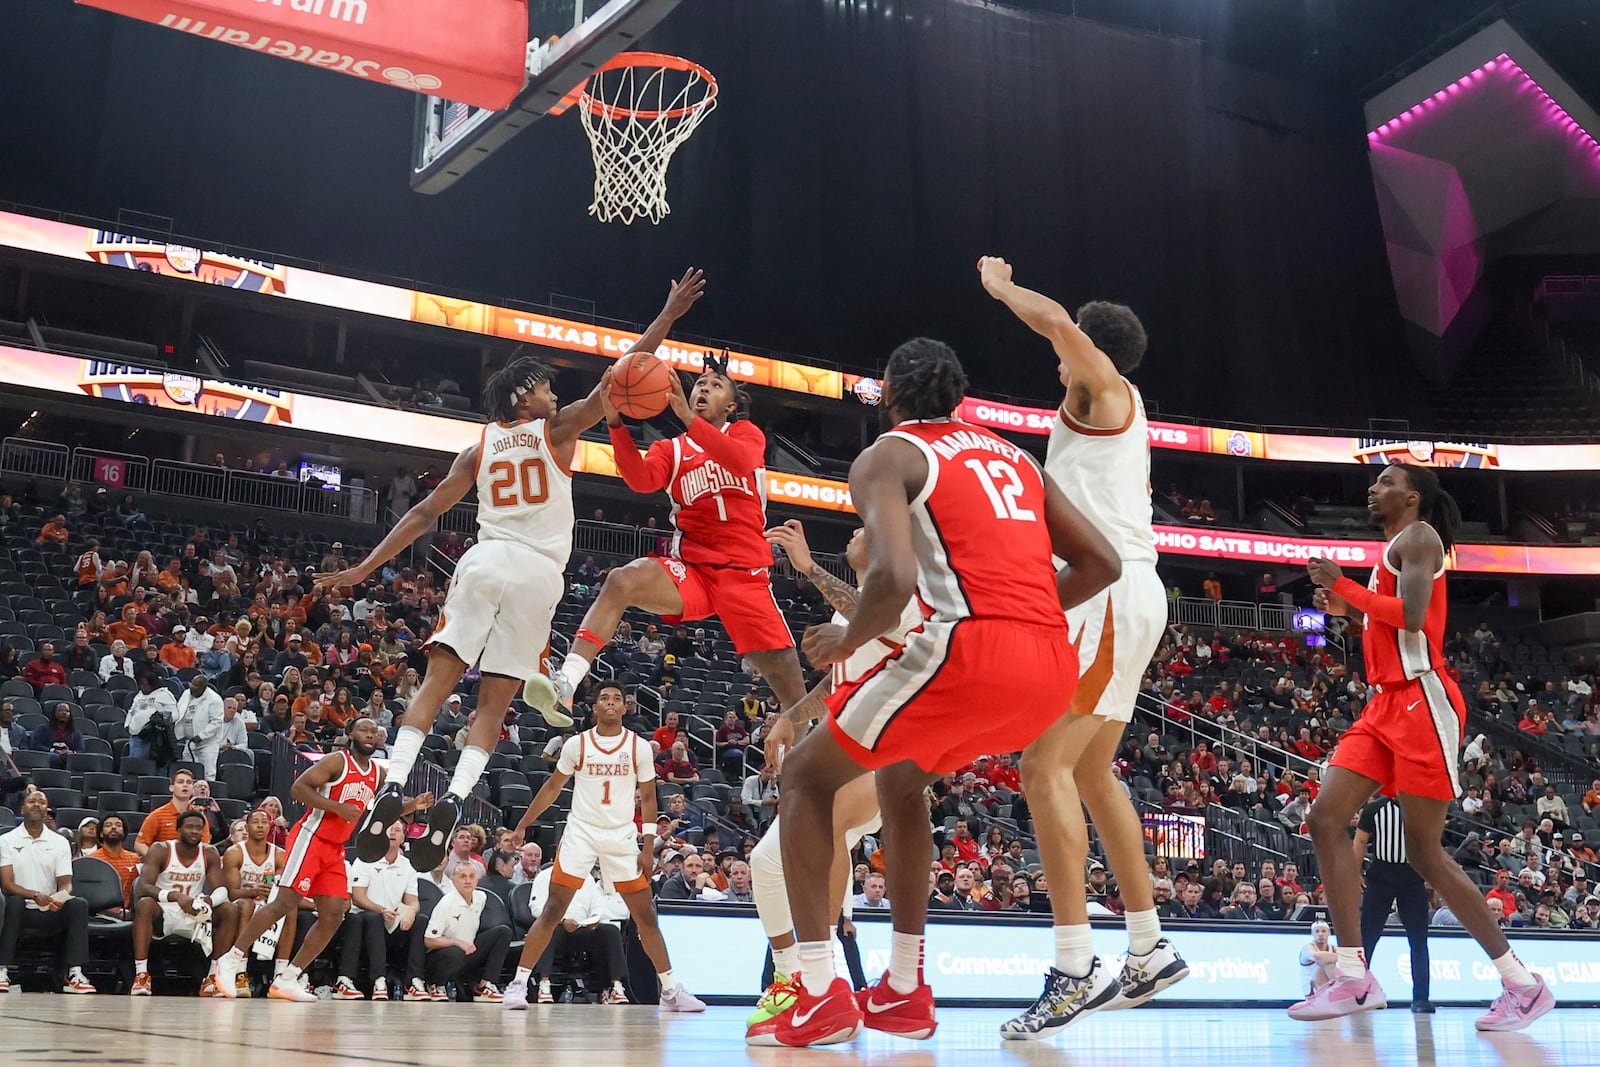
[
  {"x": 468, "y": 771},
  {"x": 668, "y": 983},
  {"x": 139, "y": 967},
  {"x": 1144, "y": 930},
  {"x": 77, "y": 974},
  {"x": 278, "y": 967},
  {"x": 1074, "y": 950},
  {"x": 785, "y": 961},
  {"x": 523, "y": 974},
  {"x": 905, "y": 962},
  {"x": 236, "y": 954},
  {"x": 1512, "y": 972},
  {"x": 290, "y": 973},
  {"x": 544, "y": 984},
  {"x": 574, "y": 669},
  {"x": 1352, "y": 962},
  {"x": 816, "y": 966},
  {"x": 403, "y": 754}
]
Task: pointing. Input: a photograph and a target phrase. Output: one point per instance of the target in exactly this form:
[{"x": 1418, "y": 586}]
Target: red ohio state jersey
[
  {"x": 717, "y": 481},
  {"x": 1393, "y": 655},
  {"x": 354, "y": 787},
  {"x": 982, "y": 543}
]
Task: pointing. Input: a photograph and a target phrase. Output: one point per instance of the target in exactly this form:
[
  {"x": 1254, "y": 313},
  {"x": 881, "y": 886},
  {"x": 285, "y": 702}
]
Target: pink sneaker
[
  {"x": 1342, "y": 996},
  {"x": 1518, "y": 1006}
]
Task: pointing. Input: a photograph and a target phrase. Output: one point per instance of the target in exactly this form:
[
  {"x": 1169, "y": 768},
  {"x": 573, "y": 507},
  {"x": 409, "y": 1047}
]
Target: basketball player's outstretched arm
[
  {"x": 1092, "y": 563},
  {"x": 1086, "y": 364},
  {"x": 791, "y": 537},
  {"x": 416, "y": 522},
  {"x": 1420, "y": 558},
  {"x": 880, "y": 485}
]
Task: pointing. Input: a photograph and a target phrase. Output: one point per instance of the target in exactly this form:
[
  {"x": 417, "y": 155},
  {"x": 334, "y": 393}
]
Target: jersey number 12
[{"x": 1003, "y": 488}]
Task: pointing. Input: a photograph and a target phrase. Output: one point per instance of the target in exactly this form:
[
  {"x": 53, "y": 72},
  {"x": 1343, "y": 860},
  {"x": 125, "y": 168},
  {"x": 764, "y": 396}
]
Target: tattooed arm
[{"x": 791, "y": 537}]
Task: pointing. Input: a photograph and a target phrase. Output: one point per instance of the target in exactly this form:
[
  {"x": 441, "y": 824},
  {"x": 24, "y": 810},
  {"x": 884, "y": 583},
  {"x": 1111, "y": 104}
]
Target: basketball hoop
[{"x": 637, "y": 110}]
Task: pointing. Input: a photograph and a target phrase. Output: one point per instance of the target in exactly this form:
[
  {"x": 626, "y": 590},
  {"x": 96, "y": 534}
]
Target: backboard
[{"x": 567, "y": 41}]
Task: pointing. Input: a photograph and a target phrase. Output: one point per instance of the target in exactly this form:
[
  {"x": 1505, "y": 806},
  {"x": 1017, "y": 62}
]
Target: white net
[{"x": 637, "y": 113}]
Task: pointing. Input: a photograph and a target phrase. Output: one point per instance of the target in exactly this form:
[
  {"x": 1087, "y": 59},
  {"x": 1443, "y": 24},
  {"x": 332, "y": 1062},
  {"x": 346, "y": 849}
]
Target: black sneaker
[
  {"x": 1144, "y": 976},
  {"x": 428, "y": 851},
  {"x": 1065, "y": 1000},
  {"x": 1421, "y": 1007},
  {"x": 372, "y": 837}
]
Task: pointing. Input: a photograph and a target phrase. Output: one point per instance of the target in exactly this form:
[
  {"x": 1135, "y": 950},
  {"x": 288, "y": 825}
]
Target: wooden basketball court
[{"x": 176, "y": 1032}]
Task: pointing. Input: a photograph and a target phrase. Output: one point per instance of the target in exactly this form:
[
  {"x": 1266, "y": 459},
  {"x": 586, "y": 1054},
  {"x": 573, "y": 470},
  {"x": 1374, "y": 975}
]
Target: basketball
[{"x": 640, "y": 385}]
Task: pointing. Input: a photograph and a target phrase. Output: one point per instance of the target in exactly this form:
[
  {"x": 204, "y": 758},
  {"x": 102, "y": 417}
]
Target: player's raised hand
[
  {"x": 1329, "y": 601},
  {"x": 678, "y": 399},
  {"x": 345, "y": 579},
  {"x": 993, "y": 270},
  {"x": 1323, "y": 572},
  {"x": 824, "y": 644},
  {"x": 613, "y": 417},
  {"x": 791, "y": 537},
  {"x": 682, "y": 294}
]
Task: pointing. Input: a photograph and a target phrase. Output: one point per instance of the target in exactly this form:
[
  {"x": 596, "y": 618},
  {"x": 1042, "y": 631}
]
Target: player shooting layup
[
  {"x": 715, "y": 472},
  {"x": 1099, "y": 454},
  {"x": 506, "y": 587}
]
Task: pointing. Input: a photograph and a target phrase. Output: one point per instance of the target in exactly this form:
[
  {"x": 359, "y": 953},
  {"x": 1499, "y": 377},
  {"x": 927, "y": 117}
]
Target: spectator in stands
[
  {"x": 1212, "y": 587},
  {"x": 462, "y": 853},
  {"x": 872, "y": 895},
  {"x": 54, "y": 532},
  {"x": 199, "y": 723},
  {"x": 529, "y": 858},
  {"x": 10, "y": 662},
  {"x": 13, "y": 735},
  {"x": 961, "y": 896},
  {"x": 760, "y": 796},
  {"x": 291, "y": 657},
  {"x": 35, "y": 872},
  {"x": 1293, "y": 815},
  {"x": 59, "y": 736},
  {"x": 46, "y": 669},
  {"x": 162, "y": 823},
  {"x": 731, "y": 740},
  {"x": 687, "y": 882},
  {"x": 666, "y": 735},
  {"x": 500, "y": 865},
  {"x": 1551, "y": 806},
  {"x": 678, "y": 768},
  {"x": 117, "y": 661}
]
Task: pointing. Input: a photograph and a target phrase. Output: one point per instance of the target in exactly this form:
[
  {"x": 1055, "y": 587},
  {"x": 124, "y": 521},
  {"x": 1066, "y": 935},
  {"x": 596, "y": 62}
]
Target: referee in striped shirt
[{"x": 1391, "y": 880}]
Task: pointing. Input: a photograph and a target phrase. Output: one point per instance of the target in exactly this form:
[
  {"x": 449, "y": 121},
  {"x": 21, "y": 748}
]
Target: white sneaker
[
  {"x": 680, "y": 999},
  {"x": 284, "y": 989},
  {"x": 545, "y": 996},
  {"x": 380, "y": 989},
  {"x": 550, "y": 696},
  {"x": 516, "y": 998},
  {"x": 228, "y": 971},
  {"x": 417, "y": 992},
  {"x": 345, "y": 989},
  {"x": 1144, "y": 976}
]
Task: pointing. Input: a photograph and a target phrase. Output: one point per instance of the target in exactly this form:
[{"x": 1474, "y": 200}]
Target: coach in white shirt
[
  {"x": 384, "y": 893},
  {"x": 199, "y": 722},
  {"x": 456, "y": 947},
  {"x": 233, "y": 733},
  {"x": 35, "y": 867},
  {"x": 117, "y": 662},
  {"x": 151, "y": 698}
]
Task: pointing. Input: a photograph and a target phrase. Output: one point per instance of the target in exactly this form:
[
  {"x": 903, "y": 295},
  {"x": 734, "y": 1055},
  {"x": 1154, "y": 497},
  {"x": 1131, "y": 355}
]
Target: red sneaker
[
  {"x": 825, "y": 1020},
  {"x": 902, "y": 1014}
]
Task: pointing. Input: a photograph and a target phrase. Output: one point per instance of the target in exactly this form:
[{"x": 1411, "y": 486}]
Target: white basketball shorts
[
  {"x": 616, "y": 849},
  {"x": 499, "y": 608},
  {"x": 1116, "y": 632}
]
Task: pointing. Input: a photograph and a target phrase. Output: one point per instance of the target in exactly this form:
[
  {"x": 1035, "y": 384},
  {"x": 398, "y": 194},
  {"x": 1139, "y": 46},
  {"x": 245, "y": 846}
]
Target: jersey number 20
[
  {"x": 523, "y": 483},
  {"x": 1003, "y": 487}
]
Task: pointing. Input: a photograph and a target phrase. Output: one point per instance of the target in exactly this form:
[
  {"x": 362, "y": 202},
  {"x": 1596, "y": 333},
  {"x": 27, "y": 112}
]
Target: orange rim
[{"x": 613, "y": 112}]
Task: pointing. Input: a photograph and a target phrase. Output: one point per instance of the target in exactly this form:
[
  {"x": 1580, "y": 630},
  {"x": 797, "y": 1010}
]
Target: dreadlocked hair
[
  {"x": 1437, "y": 507},
  {"x": 506, "y": 385},
  {"x": 718, "y": 365},
  {"x": 925, "y": 379}
]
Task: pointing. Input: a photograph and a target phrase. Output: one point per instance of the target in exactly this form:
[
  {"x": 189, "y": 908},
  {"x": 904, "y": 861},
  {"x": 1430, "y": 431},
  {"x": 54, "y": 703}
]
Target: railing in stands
[
  {"x": 35, "y": 459},
  {"x": 171, "y": 478},
  {"x": 1224, "y": 740},
  {"x": 1229, "y": 614},
  {"x": 117, "y": 471}
]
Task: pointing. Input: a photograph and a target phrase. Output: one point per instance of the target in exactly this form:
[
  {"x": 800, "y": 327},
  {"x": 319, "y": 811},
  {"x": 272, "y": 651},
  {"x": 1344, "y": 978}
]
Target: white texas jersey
[
  {"x": 253, "y": 875},
  {"x": 871, "y": 654},
  {"x": 606, "y": 773},
  {"x": 1106, "y": 474},
  {"x": 189, "y": 878},
  {"x": 524, "y": 493}
]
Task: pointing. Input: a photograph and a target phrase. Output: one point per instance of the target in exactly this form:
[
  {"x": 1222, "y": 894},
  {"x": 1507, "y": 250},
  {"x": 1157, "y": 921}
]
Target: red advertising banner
[{"x": 474, "y": 53}]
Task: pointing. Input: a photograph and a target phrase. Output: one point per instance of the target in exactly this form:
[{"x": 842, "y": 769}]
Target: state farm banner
[{"x": 475, "y": 53}]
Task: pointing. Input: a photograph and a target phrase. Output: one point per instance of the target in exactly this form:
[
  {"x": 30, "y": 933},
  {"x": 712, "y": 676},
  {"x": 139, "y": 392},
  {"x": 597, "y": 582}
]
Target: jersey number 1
[
  {"x": 1002, "y": 497},
  {"x": 605, "y": 791},
  {"x": 504, "y": 484}
]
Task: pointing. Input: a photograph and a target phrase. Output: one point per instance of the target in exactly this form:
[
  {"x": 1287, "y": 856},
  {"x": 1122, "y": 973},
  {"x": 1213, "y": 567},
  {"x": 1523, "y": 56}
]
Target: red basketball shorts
[
  {"x": 1408, "y": 738},
  {"x": 314, "y": 866},
  {"x": 957, "y": 691},
  {"x": 740, "y": 596}
]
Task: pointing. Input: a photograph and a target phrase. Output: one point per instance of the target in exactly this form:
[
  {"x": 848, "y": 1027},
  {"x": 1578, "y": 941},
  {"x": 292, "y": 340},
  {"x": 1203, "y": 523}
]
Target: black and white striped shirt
[{"x": 1380, "y": 820}]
